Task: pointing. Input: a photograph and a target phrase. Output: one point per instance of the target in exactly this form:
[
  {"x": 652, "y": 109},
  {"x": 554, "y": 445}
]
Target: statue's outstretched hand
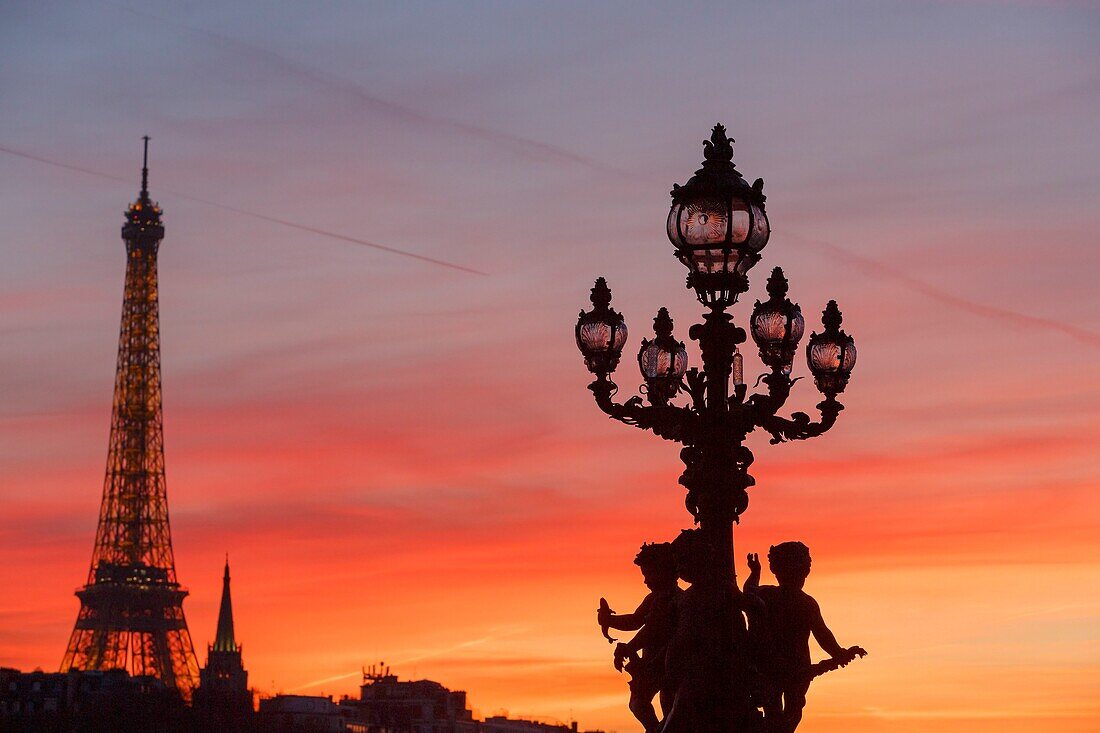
[
  {"x": 851, "y": 653},
  {"x": 753, "y": 561}
]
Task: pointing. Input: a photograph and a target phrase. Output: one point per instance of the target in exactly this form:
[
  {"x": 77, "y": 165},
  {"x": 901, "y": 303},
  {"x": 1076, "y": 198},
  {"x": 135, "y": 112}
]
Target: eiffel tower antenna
[
  {"x": 131, "y": 608},
  {"x": 145, "y": 170}
]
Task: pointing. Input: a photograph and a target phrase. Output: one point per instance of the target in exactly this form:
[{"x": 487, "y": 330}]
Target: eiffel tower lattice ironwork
[{"x": 131, "y": 609}]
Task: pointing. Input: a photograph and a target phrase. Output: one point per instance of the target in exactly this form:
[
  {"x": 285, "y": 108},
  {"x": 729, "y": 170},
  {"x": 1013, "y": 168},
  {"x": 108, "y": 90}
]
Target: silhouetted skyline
[{"x": 367, "y": 434}]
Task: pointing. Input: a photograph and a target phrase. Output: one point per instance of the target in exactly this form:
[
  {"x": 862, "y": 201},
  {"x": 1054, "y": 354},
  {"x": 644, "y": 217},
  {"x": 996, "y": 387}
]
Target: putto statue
[
  {"x": 721, "y": 659},
  {"x": 782, "y": 652},
  {"x": 643, "y": 657}
]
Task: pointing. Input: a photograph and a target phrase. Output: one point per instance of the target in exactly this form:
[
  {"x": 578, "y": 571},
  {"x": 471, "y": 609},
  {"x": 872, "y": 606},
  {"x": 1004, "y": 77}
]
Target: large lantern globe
[
  {"x": 718, "y": 225},
  {"x": 601, "y": 332},
  {"x": 831, "y": 354},
  {"x": 777, "y": 325},
  {"x": 662, "y": 361}
]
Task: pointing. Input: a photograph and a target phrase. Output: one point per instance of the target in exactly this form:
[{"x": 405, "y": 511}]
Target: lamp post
[{"x": 718, "y": 227}]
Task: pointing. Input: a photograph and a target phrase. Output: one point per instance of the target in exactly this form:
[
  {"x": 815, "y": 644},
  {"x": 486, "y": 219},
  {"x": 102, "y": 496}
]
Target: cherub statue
[
  {"x": 790, "y": 615},
  {"x": 643, "y": 657}
]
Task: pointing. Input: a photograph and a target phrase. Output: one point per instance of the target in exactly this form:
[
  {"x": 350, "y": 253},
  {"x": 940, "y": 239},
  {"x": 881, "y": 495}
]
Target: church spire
[
  {"x": 225, "y": 641},
  {"x": 223, "y": 700}
]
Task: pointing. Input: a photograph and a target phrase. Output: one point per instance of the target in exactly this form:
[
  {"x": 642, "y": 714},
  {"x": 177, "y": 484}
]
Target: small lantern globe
[
  {"x": 777, "y": 325},
  {"x": 601, "y": 332},
  {"x": 662, "y": 361},
  {"x": 831, "y": 354},
  {"x": 718, "y": 225}
]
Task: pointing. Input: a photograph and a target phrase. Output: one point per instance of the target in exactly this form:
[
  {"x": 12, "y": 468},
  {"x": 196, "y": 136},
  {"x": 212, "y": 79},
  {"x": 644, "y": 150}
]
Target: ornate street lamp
[
  {"x": 663, "y": 361},
  {"x": 777, "y": 325},
  {"x": 831, "y": 354},
  {"x": 601, "y": 332},
  {"x": 718, "y": 226}
]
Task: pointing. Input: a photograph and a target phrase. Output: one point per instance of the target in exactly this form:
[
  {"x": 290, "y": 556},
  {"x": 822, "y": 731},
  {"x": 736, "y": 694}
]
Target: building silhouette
[
  {"x": 303, "y": 714},
  {"x": 89, "y": 702},
  {"x": 412, "y": 706},
  {"x": 131, "y": 607},
  {"x": 389, "y": 705}
]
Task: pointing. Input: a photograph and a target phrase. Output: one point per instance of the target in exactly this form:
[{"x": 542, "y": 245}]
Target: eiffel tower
[{"x": 131, "y": 609}]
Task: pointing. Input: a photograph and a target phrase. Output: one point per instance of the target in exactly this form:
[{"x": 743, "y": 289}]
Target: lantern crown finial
[
  {"x": 601, "y": 294},
  {"x": 777, "y": 284},
  {"x": 831, "y": 317},
  {"x": 719, "y": 149},
  {"x": 662, "y": 324}
]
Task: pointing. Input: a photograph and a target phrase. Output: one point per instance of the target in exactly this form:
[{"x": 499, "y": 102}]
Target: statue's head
[
  {"x": 658, "y": 564},
  {"x": 790, "y": 563},
  {"x": 693, "y": 555}
]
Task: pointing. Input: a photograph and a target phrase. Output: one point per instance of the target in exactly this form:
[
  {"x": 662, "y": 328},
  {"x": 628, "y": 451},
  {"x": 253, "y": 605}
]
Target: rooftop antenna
[{"x": 145, "y": 169}]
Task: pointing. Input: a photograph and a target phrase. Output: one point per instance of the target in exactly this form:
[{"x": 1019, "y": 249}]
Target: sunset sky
[{"x": 401, "y": 458}]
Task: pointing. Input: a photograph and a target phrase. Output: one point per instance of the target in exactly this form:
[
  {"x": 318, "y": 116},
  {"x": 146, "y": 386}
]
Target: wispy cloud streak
[
  {"x": 253, "y": 214},
  {"x": 378, "y": 105},
  {"x": 433, "y": 654},
  {"x": 874, "y": 267}
]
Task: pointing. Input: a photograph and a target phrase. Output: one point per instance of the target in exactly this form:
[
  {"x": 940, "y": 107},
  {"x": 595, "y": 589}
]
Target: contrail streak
[
  {"x": 1016, "y": 318},
  {"x": 253, "y": 214},
  {"x": 379, "y": 105},
  {"x": 325, "y": 680},
  {"x": 417, "y": 658}
]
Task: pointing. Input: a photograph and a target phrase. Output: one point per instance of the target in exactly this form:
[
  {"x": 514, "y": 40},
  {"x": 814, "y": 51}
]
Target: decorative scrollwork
[
  {"x": 670, "y": 422},
  {"x": 799, "y": 426}
]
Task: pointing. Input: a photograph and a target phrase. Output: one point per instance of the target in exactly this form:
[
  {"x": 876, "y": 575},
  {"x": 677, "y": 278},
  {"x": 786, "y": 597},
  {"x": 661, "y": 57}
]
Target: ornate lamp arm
[
  {"x": 626, "y": 412},
  {"x": 668, "y": 421},
  {"x": 799, "y": 426},
  {"x": 764, "y": 406}
]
